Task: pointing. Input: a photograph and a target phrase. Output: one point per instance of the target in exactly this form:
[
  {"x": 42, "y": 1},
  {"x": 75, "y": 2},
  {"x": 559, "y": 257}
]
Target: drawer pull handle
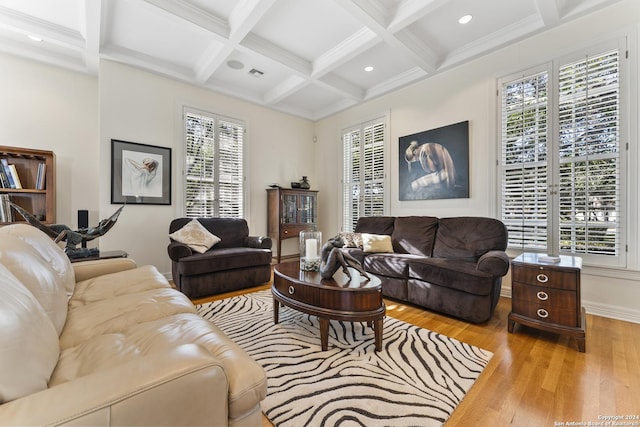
[
  {"x": 542, "y": 296},
  {"x": 543, "y": 313},
  {"x": 291, "y": 290},
  {"x": 542, "y": 278}
]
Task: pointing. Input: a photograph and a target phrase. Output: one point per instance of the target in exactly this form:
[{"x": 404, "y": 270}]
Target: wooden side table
[{"x": 546, "y": 296}]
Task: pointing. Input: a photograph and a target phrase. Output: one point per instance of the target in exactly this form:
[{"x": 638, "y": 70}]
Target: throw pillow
[
  {"x": 194, "y": 235},
  {"x": 29, "y": 346},
  {"x": 351, "y": 240},
  {"x": 380, "y": 243}
]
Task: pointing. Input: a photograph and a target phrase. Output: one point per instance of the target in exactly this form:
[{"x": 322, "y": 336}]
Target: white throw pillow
[
  {"x": 194, "y": 235},
  {"x": 380, "y": 243},
  {"x": 29, "y": 346}
]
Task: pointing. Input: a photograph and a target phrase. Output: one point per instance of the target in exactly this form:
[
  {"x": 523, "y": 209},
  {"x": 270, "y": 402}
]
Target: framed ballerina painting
[
  {"x": 434, "y": 164},
  {"x": 140, "y": 173}
]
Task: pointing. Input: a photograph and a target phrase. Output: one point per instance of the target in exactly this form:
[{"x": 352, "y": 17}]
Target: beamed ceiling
[{"x": 303, "y": 57}]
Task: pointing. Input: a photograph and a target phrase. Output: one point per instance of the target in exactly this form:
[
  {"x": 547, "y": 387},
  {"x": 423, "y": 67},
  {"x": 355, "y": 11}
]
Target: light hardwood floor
[{"x": 537, "y": 378}]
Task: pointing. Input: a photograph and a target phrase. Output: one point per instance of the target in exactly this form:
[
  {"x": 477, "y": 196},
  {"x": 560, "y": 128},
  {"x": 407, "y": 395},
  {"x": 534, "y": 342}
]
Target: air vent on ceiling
[{"x": 256, "y": 73}]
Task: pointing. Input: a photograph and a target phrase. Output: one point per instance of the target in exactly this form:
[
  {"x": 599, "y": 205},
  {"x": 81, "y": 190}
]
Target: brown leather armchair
[{"x": 238, "y": 261}]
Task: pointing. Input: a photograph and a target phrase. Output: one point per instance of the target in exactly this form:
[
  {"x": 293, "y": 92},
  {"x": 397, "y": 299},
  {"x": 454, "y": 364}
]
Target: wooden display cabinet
[
  {"x": 39, "y": 202},
  {"x": 290, "y": 211}
]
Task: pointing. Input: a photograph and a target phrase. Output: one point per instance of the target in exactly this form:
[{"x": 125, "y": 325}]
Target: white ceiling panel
[{"x": 312, "y": 53}]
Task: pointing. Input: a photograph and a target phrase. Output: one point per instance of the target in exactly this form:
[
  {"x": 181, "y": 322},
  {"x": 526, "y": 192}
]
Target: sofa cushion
[
  {"x": 52, "y": 253},
  {"x": 37, "y": 274},
  {"x": 376, "y": 243},
  {"x": 389, "y": 265},
  {"x": 194, "y": 235},
  {"x": 375, "y": 225},
  {"x": 28, "y": 342},
  {"x": 223, "y": 259},
  {"x": 451, "y": 273},
  {"x": 414, "y": 235},
  {"x": 468, "y": 238}
]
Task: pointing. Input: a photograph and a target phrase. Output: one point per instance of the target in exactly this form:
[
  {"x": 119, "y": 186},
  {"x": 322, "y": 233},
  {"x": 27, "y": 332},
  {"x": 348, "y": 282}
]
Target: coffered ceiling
[{"x": 304, "y": 57}]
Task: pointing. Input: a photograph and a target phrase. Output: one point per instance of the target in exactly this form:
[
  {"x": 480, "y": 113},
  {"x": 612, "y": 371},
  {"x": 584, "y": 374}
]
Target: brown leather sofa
[
  {"x": 109, "y": 343},
  {"x": 449, "y": 265},
  {"x": 238, "y": 261}
]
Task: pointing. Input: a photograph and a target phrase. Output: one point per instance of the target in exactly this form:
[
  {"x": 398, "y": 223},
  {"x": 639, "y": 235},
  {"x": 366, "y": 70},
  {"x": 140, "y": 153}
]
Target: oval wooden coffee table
[{"x": 339, "y": 298}]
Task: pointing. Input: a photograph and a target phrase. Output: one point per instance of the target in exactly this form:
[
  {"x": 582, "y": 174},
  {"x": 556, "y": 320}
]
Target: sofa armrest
[
  {"x": 258, "y": 242},
  {"x": 89, "y": 269},
  {"x": 177, "y": 250},
  {"x": 495, "y": 263},
  {"x": 149, "y": 390}
]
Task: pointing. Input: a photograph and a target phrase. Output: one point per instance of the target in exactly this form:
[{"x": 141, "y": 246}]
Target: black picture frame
[
  {"x": 140, "y": 173},
  {"x": 434, "y": 164}
]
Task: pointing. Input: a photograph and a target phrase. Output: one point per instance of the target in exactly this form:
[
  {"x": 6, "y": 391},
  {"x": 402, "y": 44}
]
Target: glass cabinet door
[
  {"x": 307, "y": 209},
  {"x": 289, "y": 209}
]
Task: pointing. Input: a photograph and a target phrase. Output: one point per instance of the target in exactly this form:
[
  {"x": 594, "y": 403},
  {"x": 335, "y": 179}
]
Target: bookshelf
[{"x": 36, "y": 196}]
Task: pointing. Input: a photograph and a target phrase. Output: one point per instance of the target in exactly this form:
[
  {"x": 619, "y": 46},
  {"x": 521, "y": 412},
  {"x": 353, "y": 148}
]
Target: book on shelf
[
  {"x": 7, "y": 173},
  {"x": 6, "y": 213},
  {"x": 40, "y": 179},
  {"x": 15, "y": 177}
]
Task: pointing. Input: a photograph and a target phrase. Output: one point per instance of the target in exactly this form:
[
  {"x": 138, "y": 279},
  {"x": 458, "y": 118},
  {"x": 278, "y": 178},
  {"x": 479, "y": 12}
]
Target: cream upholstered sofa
[{"x": 123, "y": 349}]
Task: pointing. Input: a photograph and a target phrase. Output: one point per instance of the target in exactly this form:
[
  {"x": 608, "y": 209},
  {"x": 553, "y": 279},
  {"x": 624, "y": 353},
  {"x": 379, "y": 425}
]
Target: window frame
[
  {"x": 554, "y": 160},
  {"x": 348, "y": 221},
  {"x": 216, "y": 119}
]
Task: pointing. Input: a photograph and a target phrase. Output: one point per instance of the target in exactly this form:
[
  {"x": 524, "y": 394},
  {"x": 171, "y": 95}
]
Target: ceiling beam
[
  {"x": 345, "y": 51},
  {"x": 193, "y": 14},
  {"x": 549, "y": 11},
  {"x": 245, "y": 16},
  {"x": 92, "y": 24}
]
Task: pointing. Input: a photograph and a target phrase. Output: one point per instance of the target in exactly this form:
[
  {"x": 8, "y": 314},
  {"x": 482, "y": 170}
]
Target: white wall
[
  {"x": 49, "y": 108},
  {"x": 468, "y": 92},
  {"x": 141, "y": 107}
]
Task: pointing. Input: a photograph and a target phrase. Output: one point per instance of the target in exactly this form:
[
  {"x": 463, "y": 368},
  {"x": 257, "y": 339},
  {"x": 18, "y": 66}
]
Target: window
[
  {"x": 214, "y": 178},
  {"x": 363, "y": 184},
  {"x": 562, "y": 158}
]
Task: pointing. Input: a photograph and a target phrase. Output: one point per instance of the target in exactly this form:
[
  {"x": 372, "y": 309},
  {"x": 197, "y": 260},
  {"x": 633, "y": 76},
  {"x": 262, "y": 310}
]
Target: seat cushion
[
  {"x": 389, "y": 265},
  {"x": 223, "y": 259},
  {"x": 453, "y": 274}
]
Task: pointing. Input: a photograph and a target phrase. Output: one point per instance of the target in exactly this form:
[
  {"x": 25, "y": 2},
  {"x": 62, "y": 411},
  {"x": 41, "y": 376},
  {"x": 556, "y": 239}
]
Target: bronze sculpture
[
  {"x": 61, "y": 232},
  {"x": 333, "y": 258}
]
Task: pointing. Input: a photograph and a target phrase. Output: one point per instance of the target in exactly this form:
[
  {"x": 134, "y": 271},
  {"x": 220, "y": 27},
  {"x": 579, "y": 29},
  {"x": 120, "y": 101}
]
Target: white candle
[{"x": 311, "y": 248}]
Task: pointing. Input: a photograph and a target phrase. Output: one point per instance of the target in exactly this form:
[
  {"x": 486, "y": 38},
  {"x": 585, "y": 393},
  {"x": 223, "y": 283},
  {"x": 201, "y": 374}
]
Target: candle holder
[{"x": 310, "y": 246}]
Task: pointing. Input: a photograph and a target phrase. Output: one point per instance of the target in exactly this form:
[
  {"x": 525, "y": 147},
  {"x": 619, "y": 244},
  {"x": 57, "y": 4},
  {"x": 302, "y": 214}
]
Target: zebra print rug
[{"x": 417, "y": 379}]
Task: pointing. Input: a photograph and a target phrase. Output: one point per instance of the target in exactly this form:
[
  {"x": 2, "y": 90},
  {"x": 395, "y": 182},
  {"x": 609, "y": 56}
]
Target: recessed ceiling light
[
  {"x": 34, "y": 38},
  {"x": 236, "y": 65},
  {"x": 368, "y": 69},
  {"x": 465, "y": 19}
]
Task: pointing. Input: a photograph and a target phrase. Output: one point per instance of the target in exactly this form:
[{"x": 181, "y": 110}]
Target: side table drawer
[
  {"x": 545, "y": 304},
  {"x": 296, "y": 292},
  {"x": 548, "y": 278}
]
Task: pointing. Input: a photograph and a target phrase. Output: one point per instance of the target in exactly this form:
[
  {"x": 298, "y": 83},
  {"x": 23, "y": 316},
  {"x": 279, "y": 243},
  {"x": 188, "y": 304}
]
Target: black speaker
[
  {"x": 83, "y": 218},
  {"x": 83, "y": 222}
]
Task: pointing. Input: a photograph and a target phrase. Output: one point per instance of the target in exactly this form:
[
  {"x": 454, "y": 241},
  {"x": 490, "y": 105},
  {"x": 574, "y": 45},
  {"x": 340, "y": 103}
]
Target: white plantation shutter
[
  {"x": 363, "y": 181},
  {"x": 214, "y": 173},
  {"x": 525, "y": 160},
  {"x": 589, "y": 135},
  {"x": 561, "y": 162}
]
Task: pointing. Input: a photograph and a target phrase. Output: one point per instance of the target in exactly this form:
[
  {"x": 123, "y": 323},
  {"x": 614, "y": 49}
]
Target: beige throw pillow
[
  {"x": 194, "y": 235},
  {"x": 377, "y": 243}
]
